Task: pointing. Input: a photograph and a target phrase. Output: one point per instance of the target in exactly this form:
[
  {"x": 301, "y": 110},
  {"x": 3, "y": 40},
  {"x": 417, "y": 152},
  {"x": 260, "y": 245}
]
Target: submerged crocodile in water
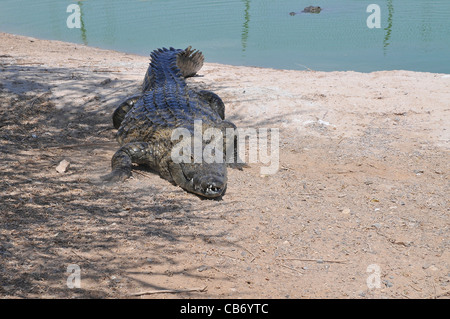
[
  {"x": 146, "y": 122},
  {"x": 310, "y": 9}
]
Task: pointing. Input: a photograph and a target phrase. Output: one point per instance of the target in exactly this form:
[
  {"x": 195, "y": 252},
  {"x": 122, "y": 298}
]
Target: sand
[{"x": 359, "y": 207}]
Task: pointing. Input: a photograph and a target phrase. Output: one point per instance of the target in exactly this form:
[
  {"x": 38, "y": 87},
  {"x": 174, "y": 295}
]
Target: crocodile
[
  {"x": 145, "y": 123},
  {"x": 310, "y": 9}
]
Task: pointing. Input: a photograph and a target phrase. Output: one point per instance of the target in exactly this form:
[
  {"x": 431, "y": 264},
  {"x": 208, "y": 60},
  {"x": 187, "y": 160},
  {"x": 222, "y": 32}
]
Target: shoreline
[{"x": 80, "y": 45}]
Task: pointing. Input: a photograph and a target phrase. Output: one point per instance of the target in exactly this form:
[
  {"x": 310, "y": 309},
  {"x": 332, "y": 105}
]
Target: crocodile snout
[{"x": 210, "y": 185}]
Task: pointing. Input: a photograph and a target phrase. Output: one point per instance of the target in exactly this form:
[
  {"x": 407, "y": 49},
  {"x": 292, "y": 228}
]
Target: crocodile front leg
[
  {"x": 136, "y": 152},
  {"x": 230, "y": 146}
]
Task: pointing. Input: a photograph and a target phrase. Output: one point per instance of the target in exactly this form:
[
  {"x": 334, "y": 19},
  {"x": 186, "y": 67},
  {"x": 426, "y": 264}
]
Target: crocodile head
[
  {"x": 312, "y": 9},
  {"x": 206, "y": 180}
]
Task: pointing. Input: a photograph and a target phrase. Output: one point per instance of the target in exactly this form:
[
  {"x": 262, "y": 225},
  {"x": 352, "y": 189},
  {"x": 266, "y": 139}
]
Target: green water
[{"x": 414, "y": 35}]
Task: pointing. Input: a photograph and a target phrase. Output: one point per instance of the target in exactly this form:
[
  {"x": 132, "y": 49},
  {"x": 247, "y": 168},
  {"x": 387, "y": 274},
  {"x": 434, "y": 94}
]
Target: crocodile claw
[{"x": 116, "y": 176}]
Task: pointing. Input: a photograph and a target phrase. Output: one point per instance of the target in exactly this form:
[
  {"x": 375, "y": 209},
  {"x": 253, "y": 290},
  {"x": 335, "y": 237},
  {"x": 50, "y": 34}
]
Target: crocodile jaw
[
  {"x": 203, "y": 180},
  {"x": 209, "y": 185}
]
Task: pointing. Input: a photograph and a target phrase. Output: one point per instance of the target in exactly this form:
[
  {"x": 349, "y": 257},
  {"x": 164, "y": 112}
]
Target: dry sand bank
[{"x": 363, "y": 179}]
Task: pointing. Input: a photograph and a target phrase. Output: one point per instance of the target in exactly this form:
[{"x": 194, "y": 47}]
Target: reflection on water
[
  {"x": 83, "y": 27},
  {"x": 260, "y": 33},
  {"x": 389, "y": 26},
  {"x": 244, "y": 35}
]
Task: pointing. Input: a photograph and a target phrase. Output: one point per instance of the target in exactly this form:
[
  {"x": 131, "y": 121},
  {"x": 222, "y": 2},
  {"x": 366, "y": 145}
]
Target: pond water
[{"x": 413, "y": 35}]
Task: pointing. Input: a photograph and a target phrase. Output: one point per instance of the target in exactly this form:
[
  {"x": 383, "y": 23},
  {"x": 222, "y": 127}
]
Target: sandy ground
[{"x": 362, "y": 190}]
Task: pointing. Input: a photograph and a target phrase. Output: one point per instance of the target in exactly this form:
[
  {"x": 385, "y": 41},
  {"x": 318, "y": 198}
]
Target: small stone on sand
[{"x": 63, "y": 166}]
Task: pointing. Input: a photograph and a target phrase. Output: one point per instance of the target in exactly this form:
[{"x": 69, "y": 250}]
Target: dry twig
[
  {"x": 82, "y": 145},
  {"x": 170, "y": 291},
  {"x": 318, "y": 260}
]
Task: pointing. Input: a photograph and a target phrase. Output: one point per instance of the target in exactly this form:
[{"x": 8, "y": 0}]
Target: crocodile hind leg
[
  {"x": 136, "y": 152},
  {"x": 123, "y": 109},
  {"x": 214, "y": 101}
]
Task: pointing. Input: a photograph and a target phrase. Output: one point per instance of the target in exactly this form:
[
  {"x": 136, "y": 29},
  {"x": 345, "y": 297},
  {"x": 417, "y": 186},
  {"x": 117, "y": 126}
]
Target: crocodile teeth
[{"x": 212, "y": 189}]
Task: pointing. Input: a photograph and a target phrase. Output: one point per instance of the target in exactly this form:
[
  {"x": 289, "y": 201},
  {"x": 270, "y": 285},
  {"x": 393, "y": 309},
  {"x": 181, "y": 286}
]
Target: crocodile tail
[
  {"x": 174, "y": 63},
  {"x": 190, "y": 61}
]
